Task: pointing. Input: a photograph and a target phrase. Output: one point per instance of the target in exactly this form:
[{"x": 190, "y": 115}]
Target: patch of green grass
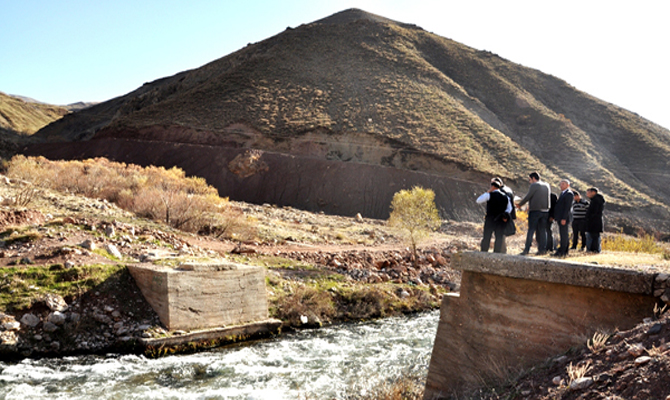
[
  {"x": 20, "y": 287},
  {"x": 11, "y": 236}
]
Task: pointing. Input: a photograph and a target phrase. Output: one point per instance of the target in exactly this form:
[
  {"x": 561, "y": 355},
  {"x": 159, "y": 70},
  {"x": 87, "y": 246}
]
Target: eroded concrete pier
[
  {"x": 513, "y": 312},
  {"x": 200, "y": 296}
]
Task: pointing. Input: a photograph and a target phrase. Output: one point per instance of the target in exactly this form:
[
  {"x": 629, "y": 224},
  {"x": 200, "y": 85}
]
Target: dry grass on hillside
[
  {"x": 167, "y": 195},
  {"x": 27, "y": 118}
]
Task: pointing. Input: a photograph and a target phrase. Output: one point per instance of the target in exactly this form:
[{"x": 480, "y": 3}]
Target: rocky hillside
[{"x": 338, "y": 114}]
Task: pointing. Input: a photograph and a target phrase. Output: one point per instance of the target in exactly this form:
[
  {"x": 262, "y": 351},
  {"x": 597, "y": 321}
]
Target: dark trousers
[
  {"x": 537, "y": 225},
  {"x": 491, "y": 227},
  {"x": 565, "y": 238},
  {"x": 578, "y": 230},
  {"x": 550, "y": 236},
  {"x": 593, "y": 242}
]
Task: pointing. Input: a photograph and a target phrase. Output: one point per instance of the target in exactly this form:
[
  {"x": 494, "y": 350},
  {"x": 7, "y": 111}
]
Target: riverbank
[{"x": 65, "y": 288}]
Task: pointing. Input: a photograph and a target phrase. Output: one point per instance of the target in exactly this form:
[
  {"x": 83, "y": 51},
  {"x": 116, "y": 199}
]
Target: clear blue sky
[{"x": 66, "y": 51}]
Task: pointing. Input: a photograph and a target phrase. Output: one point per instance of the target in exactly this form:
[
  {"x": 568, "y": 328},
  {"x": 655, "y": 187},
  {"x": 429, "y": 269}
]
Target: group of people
[{"x": 544, "y": 209}]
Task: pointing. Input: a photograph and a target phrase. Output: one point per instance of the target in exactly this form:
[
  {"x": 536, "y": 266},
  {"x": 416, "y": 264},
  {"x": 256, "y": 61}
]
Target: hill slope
[
  {"x": 361, "y": 89},
  {"x": 27, "y": 117}
]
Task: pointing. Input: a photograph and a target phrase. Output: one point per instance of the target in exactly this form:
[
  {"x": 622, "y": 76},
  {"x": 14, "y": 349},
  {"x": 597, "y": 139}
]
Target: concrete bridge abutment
[{"x": 514, "y": 312}]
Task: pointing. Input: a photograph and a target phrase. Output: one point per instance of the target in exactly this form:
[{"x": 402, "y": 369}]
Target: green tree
[{"x": 415, "y": 214}]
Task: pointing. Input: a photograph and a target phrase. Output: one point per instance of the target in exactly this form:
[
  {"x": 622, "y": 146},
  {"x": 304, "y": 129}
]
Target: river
[{"x": 312, "y": 365}]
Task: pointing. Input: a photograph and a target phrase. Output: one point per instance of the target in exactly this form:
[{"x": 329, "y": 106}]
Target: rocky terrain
[
  {"x": 64, "y": 288},
  {"x": 633, "y": 364}
]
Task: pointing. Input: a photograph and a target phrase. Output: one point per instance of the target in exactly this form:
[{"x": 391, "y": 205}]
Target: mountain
[
  {"x": 21, "y": 117},
  {"x": 338, "y": 114},
  {"x": 26, "y": 116}
]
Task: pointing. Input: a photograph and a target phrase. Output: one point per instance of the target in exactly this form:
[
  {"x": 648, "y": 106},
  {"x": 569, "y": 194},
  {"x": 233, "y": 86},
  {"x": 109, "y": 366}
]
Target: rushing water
[{"x": 317, "y": 364}]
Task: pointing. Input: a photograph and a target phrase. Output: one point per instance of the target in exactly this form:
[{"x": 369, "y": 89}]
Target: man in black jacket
[
  {"x": 594, "y": 220},
  {"x": 498, "y": 208},
  {"x": 563, "y": 217}
]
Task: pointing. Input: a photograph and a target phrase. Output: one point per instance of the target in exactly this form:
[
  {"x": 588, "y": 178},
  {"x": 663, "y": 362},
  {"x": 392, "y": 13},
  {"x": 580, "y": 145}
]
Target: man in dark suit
[{"x": 563, "y": 216}]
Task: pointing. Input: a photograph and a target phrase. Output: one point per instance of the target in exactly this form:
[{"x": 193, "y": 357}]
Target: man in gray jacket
[{"x": 538, "y": 213}]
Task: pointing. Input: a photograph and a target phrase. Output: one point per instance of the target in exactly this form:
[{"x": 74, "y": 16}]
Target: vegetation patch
[
  {"x": 157, "y": 193},
  {"x": 22, "y": 286}
]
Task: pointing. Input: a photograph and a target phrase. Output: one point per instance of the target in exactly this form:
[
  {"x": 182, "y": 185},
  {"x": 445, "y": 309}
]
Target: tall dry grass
[
  {"x": 167, "y": 195},
  {"x": 620, "y": 242}
]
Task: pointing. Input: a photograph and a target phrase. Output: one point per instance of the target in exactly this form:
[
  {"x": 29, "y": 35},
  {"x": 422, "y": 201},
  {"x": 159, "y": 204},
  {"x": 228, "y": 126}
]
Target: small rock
[
  {"x": 304, "y": 319},
  {"x": 37, "y": 337},
  {"x": 69, "y": 264},
  {"x": 359, "y": 217},
  {"x": 146, "y": 335},
  {"x": 30, "y": 320},
  {"x": 403, "y": 294},
  {"x": 109, "y": 230},
  {"x": 636, "y": 350},
  {"x": 113, "y": 250},
  {"x": 116, "y": 314},
  {"x": 74, "y": 317},
  {"x": 108, "y": 309},
  {"x": 9, "y": 338},
  {"x": 57, "y": 318},
  {"x": 660, "y": 278},
  {"x": 55, "y": 302},
  {"x": 642, "y": 360},
  {"x": 66, "y": 250},
  {"x": 655, "y": 329},
  {"x": 143, "y": 327},
  {"x": 11, "y": 326},
  {"x": 561, "y": 359},
  {"x": 89, "y": 244},
  {"x": 26, "y": 260},
  {"x": 50, "y": 327},
  {"x": 581, "y": 383},
  {"x": 556, "y": 381}
]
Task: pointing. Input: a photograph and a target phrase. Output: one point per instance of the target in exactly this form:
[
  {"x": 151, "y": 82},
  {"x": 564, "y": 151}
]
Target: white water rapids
[{"x": 317, "y": 365}]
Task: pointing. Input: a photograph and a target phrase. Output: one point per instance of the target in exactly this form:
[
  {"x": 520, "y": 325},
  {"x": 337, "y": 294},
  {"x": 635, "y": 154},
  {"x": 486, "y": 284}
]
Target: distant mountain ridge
[{"x": 360, "y": 89}]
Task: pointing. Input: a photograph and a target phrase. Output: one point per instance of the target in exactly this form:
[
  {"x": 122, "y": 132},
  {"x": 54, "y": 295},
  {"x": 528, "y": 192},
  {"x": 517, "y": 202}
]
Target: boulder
[
  {"x": 50, "y": 327},
  {"x": 55, "y": 302},
  {"x": 30, "y": 320},
  {"x": 56, "y": 318}
]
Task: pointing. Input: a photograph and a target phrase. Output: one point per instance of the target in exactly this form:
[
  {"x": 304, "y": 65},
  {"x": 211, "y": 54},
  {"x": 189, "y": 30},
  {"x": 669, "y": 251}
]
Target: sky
[{"x": 65, "y": 51}]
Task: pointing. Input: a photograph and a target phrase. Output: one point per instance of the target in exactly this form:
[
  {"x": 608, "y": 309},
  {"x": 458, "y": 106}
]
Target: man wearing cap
[
  {"x": 538, "y": 213},
  {"x": 498, "y": 209}
]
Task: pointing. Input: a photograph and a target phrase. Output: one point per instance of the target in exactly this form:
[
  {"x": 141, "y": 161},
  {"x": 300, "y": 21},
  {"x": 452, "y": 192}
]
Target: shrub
[
  {"x": 415, "y": 214},
  {"x": 168, "y": 195},
  {"x": 305, "y": 301},
  {"x": 620, "y": 242}
]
